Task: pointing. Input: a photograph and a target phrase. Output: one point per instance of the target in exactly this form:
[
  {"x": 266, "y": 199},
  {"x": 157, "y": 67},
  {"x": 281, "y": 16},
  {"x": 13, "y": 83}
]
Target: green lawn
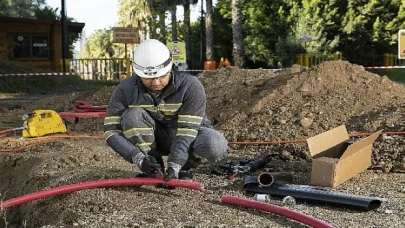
[{"x": 397, "y": 75}]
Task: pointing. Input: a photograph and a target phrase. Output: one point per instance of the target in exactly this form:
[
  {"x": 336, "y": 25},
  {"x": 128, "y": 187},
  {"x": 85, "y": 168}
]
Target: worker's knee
[
  {"x": 136, "y": 117},
  {"x": 210, "y": 145}
]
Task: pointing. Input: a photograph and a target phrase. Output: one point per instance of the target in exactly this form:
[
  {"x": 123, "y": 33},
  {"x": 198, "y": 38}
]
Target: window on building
[
  {"x": 40, "y": 47},
  {"x": 35, "y": 47},
  {"x": 21, "y": 46}
]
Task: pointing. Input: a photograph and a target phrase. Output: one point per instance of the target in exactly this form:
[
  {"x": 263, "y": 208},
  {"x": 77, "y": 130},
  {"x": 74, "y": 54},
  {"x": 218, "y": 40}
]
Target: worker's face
[{"x": 156, "y": 85}]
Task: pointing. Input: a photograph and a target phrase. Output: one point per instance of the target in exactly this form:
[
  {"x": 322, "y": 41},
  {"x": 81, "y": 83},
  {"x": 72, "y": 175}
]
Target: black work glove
[
  {"x": 171, "y": 173},
  {"x": 150, "y": 166}
]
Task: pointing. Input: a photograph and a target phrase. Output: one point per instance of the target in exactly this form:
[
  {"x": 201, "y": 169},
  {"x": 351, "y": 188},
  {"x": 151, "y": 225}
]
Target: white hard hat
[{"x": 152, "y": 59}]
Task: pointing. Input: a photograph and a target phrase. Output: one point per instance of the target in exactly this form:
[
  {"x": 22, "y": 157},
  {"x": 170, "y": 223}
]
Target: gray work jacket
[{"x": 181, "y": 105}]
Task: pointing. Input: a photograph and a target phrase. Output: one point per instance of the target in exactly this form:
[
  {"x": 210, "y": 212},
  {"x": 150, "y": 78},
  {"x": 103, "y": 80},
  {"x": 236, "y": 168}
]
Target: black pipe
[
  {"x": 267, "y": 179},
  {"x": 258, "y": 162},
  {"x": 313, "y": 194}
]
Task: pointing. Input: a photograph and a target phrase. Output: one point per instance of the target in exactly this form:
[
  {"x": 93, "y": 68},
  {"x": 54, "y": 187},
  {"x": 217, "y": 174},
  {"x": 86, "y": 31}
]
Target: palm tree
[
  {"x": 237, "y": 34},
  {"x": 134, "y": 13},
  {"x": 173, "y": 11},
  {"x": 159, "y": 8},
  {"x": 98, "y": 44},
  {"x": 209, "y": 40},
  {"x": 187, "y": 29}
]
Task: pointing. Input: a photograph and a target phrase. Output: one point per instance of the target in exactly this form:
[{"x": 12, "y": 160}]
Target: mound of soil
[
  {"x": 246, "y": 105},
  {"x": 258, "y": 105}
]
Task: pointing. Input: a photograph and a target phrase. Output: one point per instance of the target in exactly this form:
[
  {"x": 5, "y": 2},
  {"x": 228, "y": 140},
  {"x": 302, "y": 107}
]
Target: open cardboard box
[{"x": 335, "y": 160}]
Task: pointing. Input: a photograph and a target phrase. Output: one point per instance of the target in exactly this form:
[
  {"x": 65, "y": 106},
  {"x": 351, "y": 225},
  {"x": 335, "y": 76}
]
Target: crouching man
[{"x": 161, "y": 112}]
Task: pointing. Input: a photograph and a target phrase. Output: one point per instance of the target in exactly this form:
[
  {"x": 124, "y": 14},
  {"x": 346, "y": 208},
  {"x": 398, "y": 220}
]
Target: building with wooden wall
[{"x": 37, "y": 43}]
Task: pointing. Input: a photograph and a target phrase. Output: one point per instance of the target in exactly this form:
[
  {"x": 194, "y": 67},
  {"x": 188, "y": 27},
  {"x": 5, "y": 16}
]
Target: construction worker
[{"x": 160, "y": 111}]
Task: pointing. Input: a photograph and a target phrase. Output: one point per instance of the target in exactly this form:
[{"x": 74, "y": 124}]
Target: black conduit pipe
[
  {"x": 313, "y": 194},
  {"x": 282, "y": 211},
  {"x": 98, "y": 184},
  {"x": 269, "y": 178}
]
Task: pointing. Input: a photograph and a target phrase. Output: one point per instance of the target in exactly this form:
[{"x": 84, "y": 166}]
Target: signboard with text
[
  {"x": 305, "y": 38},
  {"x": 401, "y": 44},
  {"x": 125, "y": 35},
  {"x": 178, "y": 51}
]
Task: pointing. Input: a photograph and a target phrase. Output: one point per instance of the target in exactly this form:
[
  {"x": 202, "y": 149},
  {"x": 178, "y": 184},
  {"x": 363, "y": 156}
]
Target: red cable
[
  {"x": 282, "y": 211},
  {"x": 97, "y": 184}
]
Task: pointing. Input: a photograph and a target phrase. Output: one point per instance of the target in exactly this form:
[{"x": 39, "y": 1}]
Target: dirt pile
[{"x": 259, "y": 105}]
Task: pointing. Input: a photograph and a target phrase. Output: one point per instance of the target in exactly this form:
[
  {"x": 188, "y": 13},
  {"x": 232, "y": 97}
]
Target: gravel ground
[{"x": 289, "y": 105}]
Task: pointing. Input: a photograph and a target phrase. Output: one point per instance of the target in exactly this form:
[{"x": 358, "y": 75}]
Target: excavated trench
[{"x": 17, "y": 179}]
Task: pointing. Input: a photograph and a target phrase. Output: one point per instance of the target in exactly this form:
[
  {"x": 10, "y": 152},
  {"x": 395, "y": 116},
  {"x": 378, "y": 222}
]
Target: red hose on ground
[
  {"x": 282, "y": 211},
  {"x": 97, "y": 184}
]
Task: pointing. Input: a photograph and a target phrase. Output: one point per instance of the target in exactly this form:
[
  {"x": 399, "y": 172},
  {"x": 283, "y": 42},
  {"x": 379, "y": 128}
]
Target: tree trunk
[
  {"x": 174, "y": 23},
  {"x": 209, "y": 40},
  {"x": 162, "y": 26},
  {"x": 237, "y": 35},
  {"x": 187, "y": 34}
]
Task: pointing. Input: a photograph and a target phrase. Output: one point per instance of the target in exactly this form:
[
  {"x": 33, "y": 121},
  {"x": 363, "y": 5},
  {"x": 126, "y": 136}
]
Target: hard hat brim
[{"x": 158, "y": 74}]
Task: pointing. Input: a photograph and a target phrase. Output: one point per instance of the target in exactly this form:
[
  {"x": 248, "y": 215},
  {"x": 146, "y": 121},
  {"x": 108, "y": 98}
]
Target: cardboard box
[{"x": 335, "y": 160}]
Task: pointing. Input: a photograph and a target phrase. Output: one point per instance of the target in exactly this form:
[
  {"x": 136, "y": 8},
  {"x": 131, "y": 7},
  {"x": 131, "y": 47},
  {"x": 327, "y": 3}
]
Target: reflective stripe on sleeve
[
  {"x": 108, "y": 134},
  {"x": 187, "y": 132},
  {"x": 145, "y": 147},
  {"x": 112, "y": 120},
  {"x": 188, "y": 119},
  {"x": 169, "y": 109}
]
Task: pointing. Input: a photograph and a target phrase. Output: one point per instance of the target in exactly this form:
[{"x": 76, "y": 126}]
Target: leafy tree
[
  {"x": 222, "y": 25},
  {"x": 99, "y": 44},
  {"x": 48, "y": 13},
  {"x": 286, "y": 49},
  {"x": 20, "y": 8},
  {"x": 197, "y": 55},
  {"x": 365, "y": 31},
  {"x": 264, "y": 22},
  {"x": 135, "y": 14},
  {"x": 396, "y": 22},
  {"x": 314, "y": 19}
]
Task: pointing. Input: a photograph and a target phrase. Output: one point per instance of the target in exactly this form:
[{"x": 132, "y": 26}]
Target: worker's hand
[
  {"x": 171, "y": 174},
  {"x": 172, "y": 171},
  {"x": 150, "y": 166}
]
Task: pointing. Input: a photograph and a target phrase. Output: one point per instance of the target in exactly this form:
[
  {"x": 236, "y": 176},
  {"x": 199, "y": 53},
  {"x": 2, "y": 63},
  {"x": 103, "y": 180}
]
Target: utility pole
[
  {"x": 64, "y": 34},
  {"x": 201, "y": 34}
]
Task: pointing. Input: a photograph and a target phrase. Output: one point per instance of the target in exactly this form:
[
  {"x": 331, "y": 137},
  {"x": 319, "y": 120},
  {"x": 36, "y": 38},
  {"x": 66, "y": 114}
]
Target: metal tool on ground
[
  {"x": 243, "y": 167},
  {"x": 42, "y": 122},
  {"x": 286, "y": 201}
]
